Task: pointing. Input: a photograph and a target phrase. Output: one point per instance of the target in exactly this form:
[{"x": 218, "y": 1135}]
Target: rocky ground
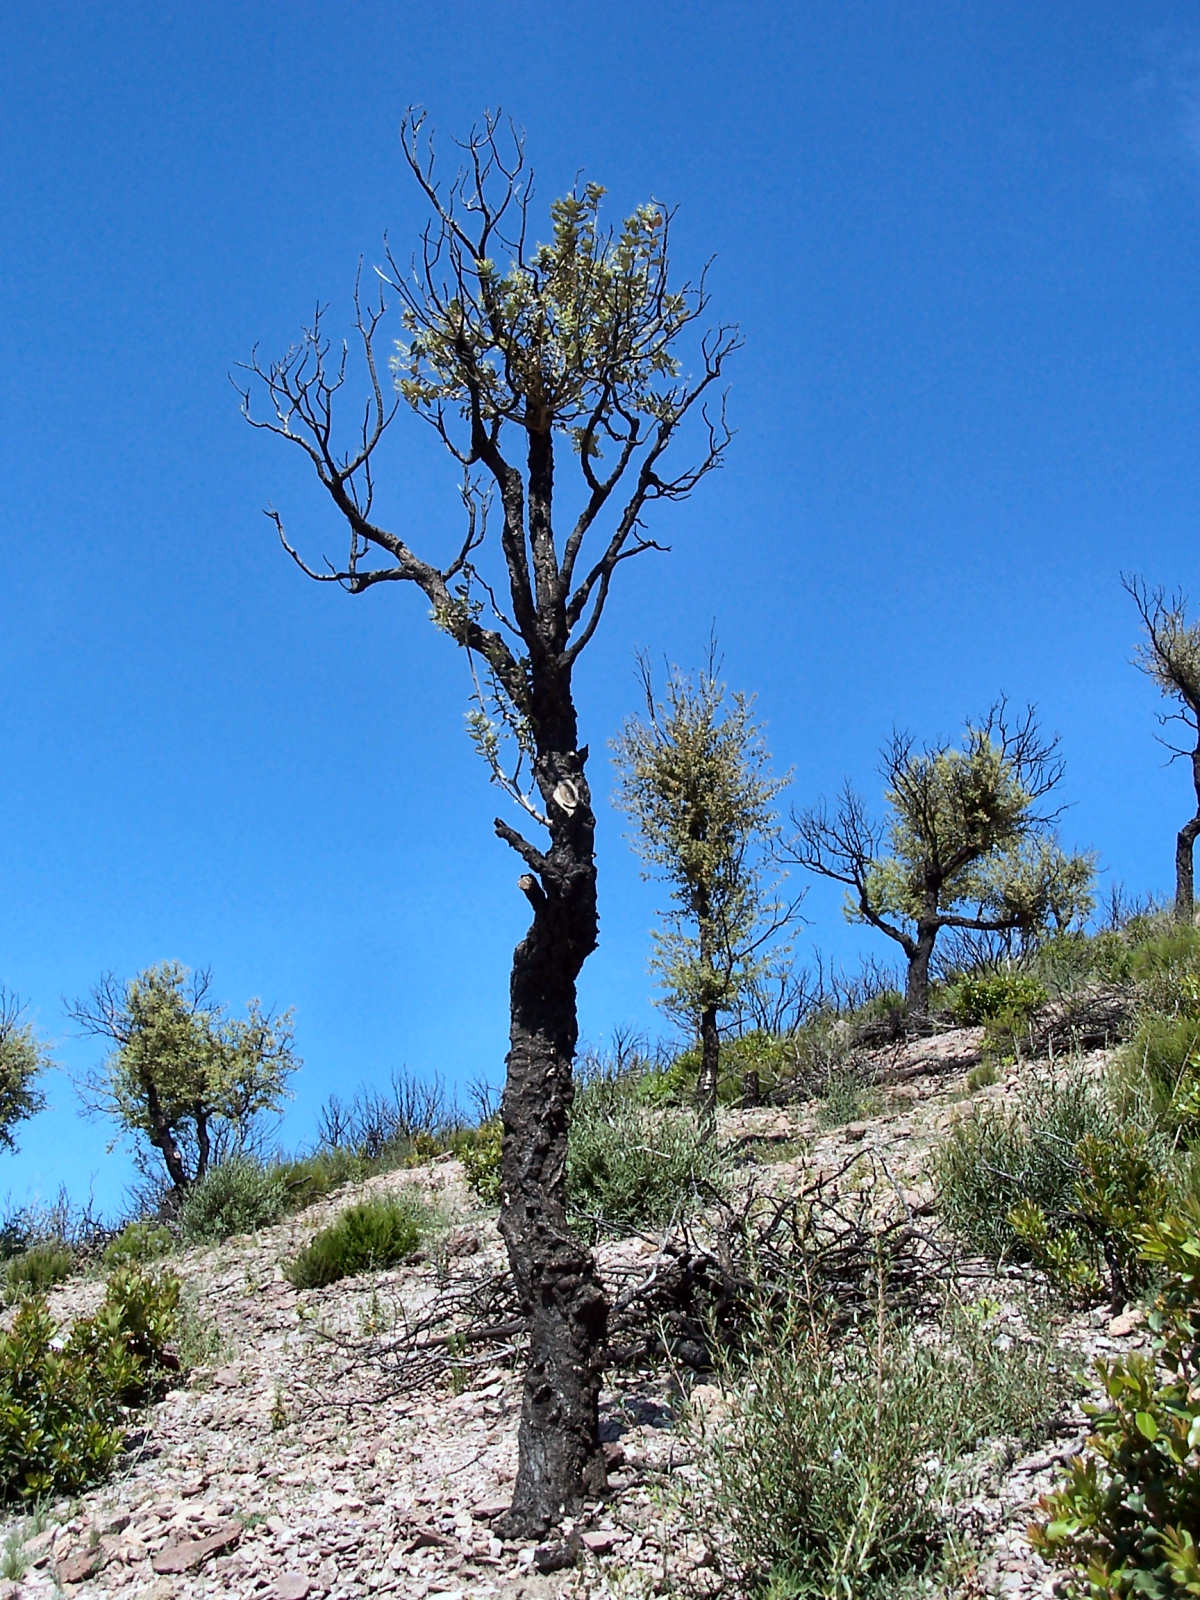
[{"x": 286, "y": 1469}]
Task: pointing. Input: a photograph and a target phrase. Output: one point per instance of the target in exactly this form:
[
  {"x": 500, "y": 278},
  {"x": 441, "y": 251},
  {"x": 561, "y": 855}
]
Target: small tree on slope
[
  {"x": 694, "y": 777},
  {"x": 963, "y": 845},
  {"x": 551, "y": 373},
  {"x": 21, "y": 1059},
  {"x": 183, "y": 1076},
  {"x": 1170, "y": 655}
]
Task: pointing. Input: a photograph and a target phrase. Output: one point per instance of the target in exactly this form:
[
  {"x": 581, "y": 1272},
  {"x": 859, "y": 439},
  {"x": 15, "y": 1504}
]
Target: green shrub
[
  {"x": 831, "y": 1476},
  {"x": 998, "y": 1156},
  {"x": 1126, "y": 1519},
  {"x": 1161, "y": 1071},
  {"x": 1057, "y": 1180},
  {"x": 239, "y": 1196},
  {"x": 38, "y": 1269},
  {"x": 368, "y": 1237},
  {"x": 480, "y": 1157},
  {"x": 61, "y": 1408},
  {"x": 849, "y": 1093},
  {"x": 137, "y": 1242},
  {"x": 631, "y": 1166},
  {"x": 310, "y": 1178}
]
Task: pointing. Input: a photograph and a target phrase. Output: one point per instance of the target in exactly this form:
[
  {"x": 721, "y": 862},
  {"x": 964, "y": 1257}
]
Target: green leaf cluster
[
  {"x": 565, "y": 332},
  {"x": 22, "y": 1058},
  {"x": 63, "y": 1401},
  {"x": 1126, "y": 1519},
  {"x": 694, "y": 778}
]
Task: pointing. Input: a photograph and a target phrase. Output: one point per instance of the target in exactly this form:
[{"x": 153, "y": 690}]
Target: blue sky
[{"x": 961, "y": 240}]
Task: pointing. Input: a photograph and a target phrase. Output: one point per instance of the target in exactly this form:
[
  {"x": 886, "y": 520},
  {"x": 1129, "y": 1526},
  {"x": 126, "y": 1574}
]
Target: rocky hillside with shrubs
[{"x": 922, "y": 1320}]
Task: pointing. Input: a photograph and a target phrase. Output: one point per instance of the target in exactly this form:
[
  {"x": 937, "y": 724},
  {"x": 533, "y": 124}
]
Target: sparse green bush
[
  {"x": 1127, "y": 1517},
  {"x": 239, "y": 1196},
  {"x": 368, "y": 1237},
  {"x": 480, "y": 1157},
  {"x": 38, "y": 1269},
  {"x": 310, "y": 1178},
  {"x": 629, "y": 1165},
  {"x": 1060, "y": 1181},
  {"x": 991, "y": 996},
  {"x": 849, "y": 1093},
  {"x": 1162, "y": 1070},
  {"x": 137, "y": 1242},
  {"x": 831, "y": 1475},
  {"x": 996, "y": 1157},
  {"x": 61, "y": 1408}
]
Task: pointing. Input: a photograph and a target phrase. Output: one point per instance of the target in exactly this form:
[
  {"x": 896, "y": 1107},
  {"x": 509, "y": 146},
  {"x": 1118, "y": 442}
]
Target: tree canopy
[
  {"x": 1169, "y": 655},
  {"x": 694, "y": 777},
  {"x": 963, "y": 845},
  {"x": 184, "y": 1077},
  {"x": 22, "y": 1058}
]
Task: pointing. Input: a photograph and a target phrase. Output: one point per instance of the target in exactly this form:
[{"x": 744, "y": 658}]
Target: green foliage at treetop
[
  {"x": 557, "y": 335},
  {"x": 694, "y": 778},
  {"x": 186, "y": 1077},
  {"x": 21, "y": 1059}
]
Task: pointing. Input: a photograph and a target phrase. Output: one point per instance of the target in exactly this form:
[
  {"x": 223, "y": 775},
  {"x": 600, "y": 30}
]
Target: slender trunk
[
  {"x": 916, "y": 988},
  {"x": 203, "y": 1144},
  {"x": 710, "y": 1056},
  {"x": 1185, "y": 898},
  {"x": 560, "y": 1461},
  {"x": 1185, "y": 902},
  {"x": 162, "y": 1137}
]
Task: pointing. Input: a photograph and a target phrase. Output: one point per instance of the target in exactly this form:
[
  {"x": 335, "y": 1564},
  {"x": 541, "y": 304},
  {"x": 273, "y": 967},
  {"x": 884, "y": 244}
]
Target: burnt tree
[
  {"x": 550, "y": 373},
  {"x": 1170, "y": 655}
]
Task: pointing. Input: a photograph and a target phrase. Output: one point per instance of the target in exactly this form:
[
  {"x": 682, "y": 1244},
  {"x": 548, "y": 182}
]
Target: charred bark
[
  {"x": 919, "y": 952},
  {"x": 559, "y": 1290},
  {"x": 1185, "y": 893},
  {"x": 710, "y": 1057}
]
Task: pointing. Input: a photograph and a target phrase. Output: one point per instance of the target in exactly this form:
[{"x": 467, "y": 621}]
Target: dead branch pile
[{"x": 838, "y": 1244}]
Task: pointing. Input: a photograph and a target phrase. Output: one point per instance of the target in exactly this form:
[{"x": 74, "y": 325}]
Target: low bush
[
  {"x": 1126, "y": 1519},
  {"x": 480, "y": 1156},
  {"x": 831, "y": 1475},
  {"x": 62, "y": 1402},
  {"x": 630, "y": 1165},
  {"x": 368, "y": 1237},
  {"x": 138, "y": 1242},
  {"x": 1005, "y": 1002},
  {"x": 38, "y": 1269},
  {"x": 850, "y": 1092},
  {"x": 239, "y": 1196},
  {"x": 1057, "y": 1180},
  {"x": 310, "y": 1178},
  {"x": 1162, "y": 1070}
]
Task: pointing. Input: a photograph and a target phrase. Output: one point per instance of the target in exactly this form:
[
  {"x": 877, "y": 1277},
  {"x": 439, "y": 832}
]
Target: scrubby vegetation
[
  {"x": 842, "y": 1450},
  {"x": 367, "y": 1237},
  {"x": 63, "y": 1401},
  {"x": 1126, "y": 1519}
]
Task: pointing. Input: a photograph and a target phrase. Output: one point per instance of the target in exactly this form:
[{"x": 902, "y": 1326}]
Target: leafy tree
[
  {"x": 694, "y": 777},
  {"x": 21, "y": 1059},
  {"x": 552, "y": 374},
  {"x": 183, "y": 1076},
  {"x": 1170, "y": 656},
  {"x": 964, "y": 844}
]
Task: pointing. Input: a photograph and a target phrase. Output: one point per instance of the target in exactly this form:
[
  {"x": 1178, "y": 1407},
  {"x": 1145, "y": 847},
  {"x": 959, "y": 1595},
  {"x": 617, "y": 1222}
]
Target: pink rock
[
  {"x": 290, "y": 1586},
  {"x": 598, "y": 1542},
  {"x": 185, "y": 1554},
  {"x": 81, "y": 1566}
]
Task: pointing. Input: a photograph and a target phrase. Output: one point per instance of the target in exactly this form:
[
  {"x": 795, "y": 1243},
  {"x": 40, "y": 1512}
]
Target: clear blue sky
[{"x": 962, "y": 243}]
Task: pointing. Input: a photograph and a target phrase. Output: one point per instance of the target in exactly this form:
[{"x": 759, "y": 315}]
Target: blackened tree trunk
[
  {"x": 710, "y": 1058},
  {"x": 919, "y": 952},
  {"x": 1185, "y": 896},
  {"x": 559, "y": 1288}
]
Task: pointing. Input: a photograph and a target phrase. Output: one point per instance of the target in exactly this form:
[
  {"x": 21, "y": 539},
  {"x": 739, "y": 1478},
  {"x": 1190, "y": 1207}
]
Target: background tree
[
  {"x": 964, "y": 844},
  {"x": 551, "y": 374},
  {"x": 21, "y": 1059},
  {"x": 1170, "y": 655},
  {"x": 184, "y": 1077},
  {"x": 694, "y": 777}
]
